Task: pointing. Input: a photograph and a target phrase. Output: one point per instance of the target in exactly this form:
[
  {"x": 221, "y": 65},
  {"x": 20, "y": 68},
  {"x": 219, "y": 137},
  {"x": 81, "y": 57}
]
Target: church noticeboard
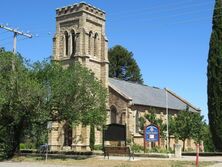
[{"x": 151, "y": 133}]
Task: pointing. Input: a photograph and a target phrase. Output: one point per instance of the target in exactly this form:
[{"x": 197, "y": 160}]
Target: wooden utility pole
[{"x": 16, "y": 33}]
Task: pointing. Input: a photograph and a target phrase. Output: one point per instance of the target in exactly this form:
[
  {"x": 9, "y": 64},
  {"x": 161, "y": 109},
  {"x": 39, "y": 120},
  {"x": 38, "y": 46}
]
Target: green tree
[
  {"x": 214, "y": 74},
  {"x": 189, "y": 125},
  {"x": 183, "y": 126},
  {"x": 207, "y": 140},
  {"x": 141, "y": 123},
  {"x": 152, "y": 118},
  {"x": 21, "y": 101},
  {"x": 171, "y": 128},
  {"x": 32, "y": 96},
  {"x": 123, "y": 65},
  {"x": 74, "y": 94},
  {"x": 198, "y": 125}
]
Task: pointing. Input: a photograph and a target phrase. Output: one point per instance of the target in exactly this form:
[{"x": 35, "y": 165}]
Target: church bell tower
[{"x": 80, "y": 36}]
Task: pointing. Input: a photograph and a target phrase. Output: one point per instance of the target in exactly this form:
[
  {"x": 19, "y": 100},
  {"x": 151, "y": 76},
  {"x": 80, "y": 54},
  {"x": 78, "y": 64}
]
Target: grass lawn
[{"x": 98, "y": 162}]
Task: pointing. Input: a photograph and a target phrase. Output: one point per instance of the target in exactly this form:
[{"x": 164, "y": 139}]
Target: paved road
[
  {"x": 193, "y": 158},
  {"x": 184, "y": 158},
  {"x": 217, "y": 165},
  {"x": 28, "y": 164},
  {"x": 42, "y": 164}
]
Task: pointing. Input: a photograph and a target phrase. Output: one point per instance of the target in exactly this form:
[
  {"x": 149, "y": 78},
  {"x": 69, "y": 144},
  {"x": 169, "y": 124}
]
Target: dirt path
[{"x": 114, "y": 161}]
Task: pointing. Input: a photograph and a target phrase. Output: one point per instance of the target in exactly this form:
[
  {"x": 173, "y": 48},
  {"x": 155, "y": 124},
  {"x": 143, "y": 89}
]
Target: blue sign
[{"x": 151, "y": 133}]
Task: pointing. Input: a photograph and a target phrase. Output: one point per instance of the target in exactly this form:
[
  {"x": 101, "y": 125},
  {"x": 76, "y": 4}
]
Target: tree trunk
[
  {"x": 16, "y": 138},
  {"x": 184, "y": 144},
  {"x": 169, "y": 142}
]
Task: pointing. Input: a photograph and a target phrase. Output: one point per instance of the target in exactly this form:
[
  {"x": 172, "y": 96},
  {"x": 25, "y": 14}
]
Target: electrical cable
[{"x": 157, "y": 9}]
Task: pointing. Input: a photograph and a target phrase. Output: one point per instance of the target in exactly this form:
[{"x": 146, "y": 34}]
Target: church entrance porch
[{"x": 64, "y": 136}]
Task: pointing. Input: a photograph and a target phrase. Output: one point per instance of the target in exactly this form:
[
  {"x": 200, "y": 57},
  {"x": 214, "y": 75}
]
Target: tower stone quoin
[{"x": 80, "y": 36}]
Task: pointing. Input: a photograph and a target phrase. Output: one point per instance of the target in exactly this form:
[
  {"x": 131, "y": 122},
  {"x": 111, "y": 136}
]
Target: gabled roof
[{"x": 150, "y": 96}]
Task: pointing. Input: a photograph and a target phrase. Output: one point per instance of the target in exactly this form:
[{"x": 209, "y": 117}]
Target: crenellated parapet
[{"x": 80, "y": 7}]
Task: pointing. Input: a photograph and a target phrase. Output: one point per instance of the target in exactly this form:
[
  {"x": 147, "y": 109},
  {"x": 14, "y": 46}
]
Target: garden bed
[{"x": 202, "y": 154}]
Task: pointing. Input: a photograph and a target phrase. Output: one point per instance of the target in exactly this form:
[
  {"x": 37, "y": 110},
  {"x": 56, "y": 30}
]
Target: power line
[
  {"x": 157, "y": 8},
  {"x": 184, "y": 21},
  {"x": 3, "y": 32},
  {"x": 6, "y": 38},
  {"x": 153, "y": 18},
  {"x": 21, "y": 39},
  {"x": 178, "y": 21},
  {"x": 165, "y": 16},
  {"x": 195, "y": 20},
  {"x": 36, "y": 36}
]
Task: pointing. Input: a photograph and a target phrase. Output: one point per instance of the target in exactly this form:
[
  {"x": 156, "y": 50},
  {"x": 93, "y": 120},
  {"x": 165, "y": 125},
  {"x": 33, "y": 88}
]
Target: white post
[
  {"x": 14, "y": 42},
  {"x": 46, "y": 154},
  {"x": 167, "y": 132}
]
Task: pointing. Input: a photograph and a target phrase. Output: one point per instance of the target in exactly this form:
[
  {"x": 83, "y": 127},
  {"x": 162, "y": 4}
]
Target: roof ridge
[{"x": 136, "y": 83}]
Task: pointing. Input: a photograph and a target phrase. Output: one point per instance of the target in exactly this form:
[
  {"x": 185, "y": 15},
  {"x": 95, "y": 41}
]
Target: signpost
[
  {"x": 151, "y": 134},
  {"x": 49, "y": 127},
  {"x": 197, "y": 155}
]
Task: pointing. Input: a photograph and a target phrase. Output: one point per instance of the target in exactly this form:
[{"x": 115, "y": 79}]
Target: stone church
[{"x": 80, "y": 36}]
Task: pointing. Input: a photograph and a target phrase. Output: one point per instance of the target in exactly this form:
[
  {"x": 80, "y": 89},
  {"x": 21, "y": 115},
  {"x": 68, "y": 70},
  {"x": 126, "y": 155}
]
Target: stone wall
[
  {"x": 122, "y": 104},
  {"x": 119, "y": 103}
]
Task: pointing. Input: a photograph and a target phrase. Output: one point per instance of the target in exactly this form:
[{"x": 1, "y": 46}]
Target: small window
[
  {"x": 137, "y": 122},
  {"x": 73, "y": 42},
  {"x": 113, "y": 114},
  {"x": 66, "y": 43},
  {"x": 89, "y": 42},
  {"x": 95, "y": 44}
]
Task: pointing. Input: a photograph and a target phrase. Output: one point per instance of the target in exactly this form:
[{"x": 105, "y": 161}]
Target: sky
[{"x": 169, "y": 38}]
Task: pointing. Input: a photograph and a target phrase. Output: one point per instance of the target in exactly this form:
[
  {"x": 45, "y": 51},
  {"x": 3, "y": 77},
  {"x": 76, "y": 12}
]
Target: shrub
[
  {"x": 28, "y": 145},
  {"x": 158, "y": 149},
  {"x": 98, "y": 147},
  {"x": 137, "y": 148},
  {"x": 22, "y": 146}
]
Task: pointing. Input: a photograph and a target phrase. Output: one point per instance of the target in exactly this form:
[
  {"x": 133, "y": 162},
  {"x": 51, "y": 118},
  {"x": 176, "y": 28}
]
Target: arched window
[
  {"x": 95, "y": 44},
  {"x": 66, "y": 47},
  {"x": 113, "y": 114},
  {"x": 67, "y": 135},
  {"x": 137, "y": 122},
  {"x": 73, "y": 42},
  {"x": 89, "y": 42},
  {"x": 123, "y": 118}
]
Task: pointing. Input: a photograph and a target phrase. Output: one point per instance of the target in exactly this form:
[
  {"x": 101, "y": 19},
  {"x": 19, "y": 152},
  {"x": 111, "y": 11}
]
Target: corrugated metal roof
[{"x": 150, "y": 96}]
